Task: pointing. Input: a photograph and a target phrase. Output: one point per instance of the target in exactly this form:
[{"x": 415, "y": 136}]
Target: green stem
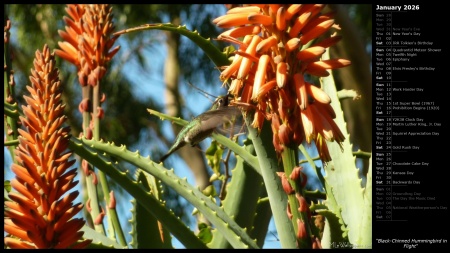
[
  {"x": 267, "y": 158},
  {"x": 11, "y": 110},
  {"x": 114, "y": 227},
  {"x": 10, "y": 123},
  {"x": 312, "y": 164},
  {"x": 289, "y": 157},
  {"x": 316, "y": 194},
  {"x": 11, "y": 143},
  {"x": 91, "y": 187},
  {"x": 362, "y": 154},
  {"x": 318, "y": 207},
  {"x": 263, "y": 200}
]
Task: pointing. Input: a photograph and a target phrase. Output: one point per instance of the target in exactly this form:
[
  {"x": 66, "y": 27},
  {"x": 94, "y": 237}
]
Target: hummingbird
[{"x": 204, "y": 125}]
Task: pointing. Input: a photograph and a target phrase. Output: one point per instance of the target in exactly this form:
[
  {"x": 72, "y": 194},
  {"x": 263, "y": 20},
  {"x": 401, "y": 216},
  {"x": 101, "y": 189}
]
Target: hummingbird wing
[
  {"x": 214, "y": 118},
  {"x": 207, "y": 122},
  {"x": 226, "y": 120},
  {"x": 234, "y": 129}
]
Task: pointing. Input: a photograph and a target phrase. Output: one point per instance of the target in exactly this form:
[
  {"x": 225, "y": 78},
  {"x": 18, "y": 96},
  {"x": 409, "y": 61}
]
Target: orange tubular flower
[
  {"x": 39, "y": 215},
  {"x": 87, "y": 43},
  {"x": 284, "y": 42}
]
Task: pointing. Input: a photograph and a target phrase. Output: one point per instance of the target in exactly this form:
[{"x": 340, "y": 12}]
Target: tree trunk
[
  {"x": 357, "y": 76},
  {"x": 192, "y": 156}
]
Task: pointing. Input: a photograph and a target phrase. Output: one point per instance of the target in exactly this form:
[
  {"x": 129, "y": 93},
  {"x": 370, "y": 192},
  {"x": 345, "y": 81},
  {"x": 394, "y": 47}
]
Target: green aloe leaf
[
  {"x": 242, "y": 194},
  {"x": 342, "y": 173},
  {"x": 99, "y": 241},
  {"x": 366, "y": 223},
  {"x": 151, "y": 204},
  {"x": 218, "y": 57},
  {"x": 227, "y": 226},
  {"x": 147, "y": 232}
]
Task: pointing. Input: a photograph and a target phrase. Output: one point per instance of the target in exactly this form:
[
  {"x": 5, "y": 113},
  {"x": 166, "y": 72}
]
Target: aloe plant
[{"x": 267, "y": 179}]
